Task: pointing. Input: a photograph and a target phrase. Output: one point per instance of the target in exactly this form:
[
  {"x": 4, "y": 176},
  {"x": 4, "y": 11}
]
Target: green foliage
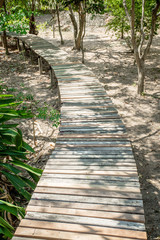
[
  {"x": 16, "y": 21},
  {"x": 119, "y": 23},
  {"x": 92, "y": 6},
  {"x": 13, "y": 152},
  {"x": 50, "y": 113}
]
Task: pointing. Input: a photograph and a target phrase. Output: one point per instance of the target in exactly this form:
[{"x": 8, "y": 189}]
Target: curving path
[{"x": 89, "y": 189}]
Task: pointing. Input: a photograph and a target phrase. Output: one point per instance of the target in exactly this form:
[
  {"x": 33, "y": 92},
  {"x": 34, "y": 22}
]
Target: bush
[{"x": 13, "y": 151}]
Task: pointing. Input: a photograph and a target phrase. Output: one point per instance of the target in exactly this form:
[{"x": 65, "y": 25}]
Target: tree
[
  {"x": 82, "y": 7},
  {"x": 141, "y": 41},
  {"x": 12, "y": 19}
]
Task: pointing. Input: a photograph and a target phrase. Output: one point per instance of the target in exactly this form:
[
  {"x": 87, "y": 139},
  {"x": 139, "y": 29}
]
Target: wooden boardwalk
[{"x": 89, "y": 189}]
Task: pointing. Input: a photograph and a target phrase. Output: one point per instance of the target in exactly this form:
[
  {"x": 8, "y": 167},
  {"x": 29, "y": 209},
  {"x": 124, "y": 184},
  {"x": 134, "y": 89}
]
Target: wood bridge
[{"x": 89, "y": 189}]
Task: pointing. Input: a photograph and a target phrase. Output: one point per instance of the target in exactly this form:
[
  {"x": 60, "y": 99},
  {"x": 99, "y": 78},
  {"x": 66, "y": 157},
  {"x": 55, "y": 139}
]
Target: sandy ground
[{"x": 113, "y": 64}]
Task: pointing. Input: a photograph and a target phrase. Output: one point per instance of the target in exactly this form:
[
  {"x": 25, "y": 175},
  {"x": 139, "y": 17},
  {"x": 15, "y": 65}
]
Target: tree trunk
[
  {"x": 53, "y": 22},
  {"x": 75, "y": 25},
  {"x": 141, "y": 76},
  {"x": 122, "y": 30},
  {"x": 59, "y": 24},
  {"x": 82, "y": 17},
  {"x": 5, "y": 42},
  {"x": 4, "y": 32},
  {"x": 32, "y": 26}
]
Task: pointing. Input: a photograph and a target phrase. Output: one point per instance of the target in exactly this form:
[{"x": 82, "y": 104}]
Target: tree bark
[
  {"x": 141, "y": 76},
  {"x": 75, "y": 25},
  {"x": 59, "y": 24},
  {"x": 82, "y": 17},
  {"x": 32, "y": 26},
  {"x": 53, "y": 22},
  {"x": 5, "y": 43}
]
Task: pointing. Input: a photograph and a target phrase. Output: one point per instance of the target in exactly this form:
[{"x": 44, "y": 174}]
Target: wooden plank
[
  {"x": 95, "y": 167},
  {"x": 61, "y": 235},
  {"x": 84, "y": 229},
  {"x": 90, "y": 145},
  {"x": 92, "y": 151},
  {"x": 91, "y": 172},
  {"x": 88, "y": 213},
  {"x": 91, "y": 155},
  {"x": 98, "y": 151},
  {"x": 82, "y": 165},
  {"x": 88, "y": 192},
  {"x": 89, "y": 206},
  {"x": 85, "y": 199},
  {"x": 93, "y": 141},
  {"x": 93, "y": 135},
  {"x": 108, "y": 178},
  {"x": 92, "y": 182},
  {"x": 85, "y": 220}
]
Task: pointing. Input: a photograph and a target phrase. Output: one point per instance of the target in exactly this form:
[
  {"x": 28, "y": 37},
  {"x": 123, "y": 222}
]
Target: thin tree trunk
[
  {"x": 53, "y": 12},
  {"x": 32, "y": 26},
  {"x": 5, "y": 43},
  {"x": 84, "y": 32},
  {"x": 122, "y": 30},
  {"x": 59, "y": 24},
  {"x": 75, "y": 25},
  {"x": 141, "y": 76},
  {"x": 81, "y": 27}
]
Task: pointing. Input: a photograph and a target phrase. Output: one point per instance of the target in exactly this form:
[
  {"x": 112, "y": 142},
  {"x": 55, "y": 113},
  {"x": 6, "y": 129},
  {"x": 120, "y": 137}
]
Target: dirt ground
[{"x": 113, "y": 64}]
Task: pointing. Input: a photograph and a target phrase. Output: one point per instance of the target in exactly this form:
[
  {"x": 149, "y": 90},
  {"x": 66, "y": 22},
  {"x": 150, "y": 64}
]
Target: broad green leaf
[
  {"x": 13, "y": 209},
  {"x": 5, "y": 231},
  {"x": 19, "y": 184},
  {"x": 33, "y": 170},
  {"x": 10, "y": 168},
  {"x": 18, "y": 141},
  {"x": 29, "y": 183},
  {"x": 8, "y": 126},
  {"x": 34, "y": 177},
  {"x": 6, "y": 224},
  {"x": 27, "y": 147}
]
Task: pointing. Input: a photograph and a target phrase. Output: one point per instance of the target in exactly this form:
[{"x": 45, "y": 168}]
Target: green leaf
[
  {"x": 10, "y": 168},
  {"x": 29, "y": 182},
  {"x": 18, "y": 141},
  {"x": 27, "y": 147},
  {"x": 6, "y": 224},
  {"x": 33, "y": 170},
  {"x": 8, "y": 126},
  {"x": 34, "y": 177},
  {"x": 19, "y": 184},
  {"x": 13, "y": 209},
  {"x": 5, "y": 231}
]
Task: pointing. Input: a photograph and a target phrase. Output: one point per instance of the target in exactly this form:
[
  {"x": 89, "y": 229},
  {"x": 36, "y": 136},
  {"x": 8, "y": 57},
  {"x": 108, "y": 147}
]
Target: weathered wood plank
[
  {"x": 88, "y": 213},
  {"x": 85, "y": 220},
  {"x": 61, "y": 235},
  {"x": 85, "y": 199},
  {"x": 91, "y": 172},
  {"x": 89, "y": 206},
  {"x": 88, "y": 192},
  {"x": 83, "y": 229},
  {"x": 88, "y": 182}
]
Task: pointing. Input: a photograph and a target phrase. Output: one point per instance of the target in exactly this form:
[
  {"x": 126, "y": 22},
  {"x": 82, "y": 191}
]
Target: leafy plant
[
  {"x": 13, "y": 153},
  {"x": 50, "y": 113}
]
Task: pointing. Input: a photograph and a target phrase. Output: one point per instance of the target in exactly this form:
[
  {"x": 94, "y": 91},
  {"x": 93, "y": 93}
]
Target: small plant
[{"x": 47, "y": 112}]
